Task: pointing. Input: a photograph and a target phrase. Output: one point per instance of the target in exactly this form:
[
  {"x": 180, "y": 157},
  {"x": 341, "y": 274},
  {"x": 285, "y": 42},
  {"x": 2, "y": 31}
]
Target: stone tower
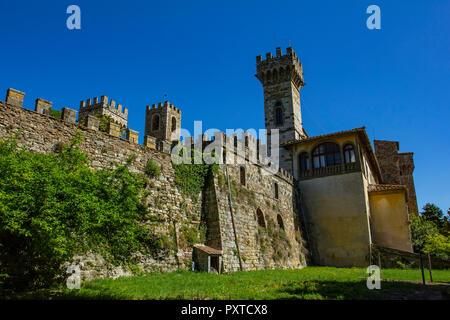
[
  {"x": 102, "y": 107},
  {"x": 163, "y": 122},
  {"x": 282, "y": 79},
  {"x": 397, "y": 168}
]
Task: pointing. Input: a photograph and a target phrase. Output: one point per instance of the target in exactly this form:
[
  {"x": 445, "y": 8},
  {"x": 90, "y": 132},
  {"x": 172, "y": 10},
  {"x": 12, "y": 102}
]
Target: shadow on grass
[
  {"x": 294, "y": 290},
  {"x": 46, "y": 294},
  {"x": 357, "y": 290}
]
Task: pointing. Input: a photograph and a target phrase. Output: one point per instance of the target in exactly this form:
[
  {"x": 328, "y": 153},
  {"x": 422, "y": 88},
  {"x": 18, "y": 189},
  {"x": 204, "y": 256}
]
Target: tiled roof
[
  {"x": 207, "y": 249},
  {"x": 287, "y": 143},
  {"x": 386, "y": 187},
  {"x": 364, "y": 139}
]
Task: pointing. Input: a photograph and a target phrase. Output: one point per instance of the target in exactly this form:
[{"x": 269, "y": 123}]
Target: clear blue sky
[{"x": 394, "y": 81}]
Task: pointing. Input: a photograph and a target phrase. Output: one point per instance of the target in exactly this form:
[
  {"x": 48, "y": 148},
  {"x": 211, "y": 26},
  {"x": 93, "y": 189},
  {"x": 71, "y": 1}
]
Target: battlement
[
  {"x": 280, "y": 68},
  {"x": 163, "y": 121},
  {"x": 162, "y": 106},
  {"x": 235, "y": 150},
  {"x": 104, "y": 106},
  {"x": 14, "y": 98}
]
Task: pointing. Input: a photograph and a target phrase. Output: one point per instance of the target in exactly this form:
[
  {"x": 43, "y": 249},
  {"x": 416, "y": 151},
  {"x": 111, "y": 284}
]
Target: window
[
  {"x": 280, "y": 222},
  {"x": 349, "y": 153},
  {"x": 304, "y": 161},
  {"x": 276, "y": 190},
  {"x": 155, "y": 123},
  {"x": 174, "y": 124},
  {"x": 260, "y": 217},
  {"x": 242, "y": 173},
  {"x": 246, "y": 141},
  {"x": 325, "y": 155},
  {"x": 278, "y": 114}
]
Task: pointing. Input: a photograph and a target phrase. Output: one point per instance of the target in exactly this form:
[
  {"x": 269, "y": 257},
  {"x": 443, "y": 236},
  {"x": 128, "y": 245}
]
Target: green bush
[
  {"x": 438, "y": 245},
  {"x": 152, "y": 169},
  {"x": 53, "y": 206},
  {"x": 56, "y": 114}
]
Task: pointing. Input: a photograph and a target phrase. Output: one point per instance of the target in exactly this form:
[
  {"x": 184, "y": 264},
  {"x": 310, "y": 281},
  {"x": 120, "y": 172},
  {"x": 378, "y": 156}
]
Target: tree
[
  {"x": 435, "y": 215},
  {"x": 438, "y": 245},
  {"x": 53, "y": 206},
  {"x": 421, "y": 229}
]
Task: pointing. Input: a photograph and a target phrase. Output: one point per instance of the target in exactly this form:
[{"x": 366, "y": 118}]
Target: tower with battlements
[
  {"x": 102, "y": 107},
  {"x": 282, "y": 79},
  {"x": 163, "y": 122}
]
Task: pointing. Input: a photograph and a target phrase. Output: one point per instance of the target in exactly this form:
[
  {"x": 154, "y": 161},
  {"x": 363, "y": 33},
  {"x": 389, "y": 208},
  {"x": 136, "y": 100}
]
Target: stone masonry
[
  {"x": 282, "y": 79},
  {"x": 102, "y": 107},
  {"x": 397, "y": 168},
  {"x": 44, "y": 134}
]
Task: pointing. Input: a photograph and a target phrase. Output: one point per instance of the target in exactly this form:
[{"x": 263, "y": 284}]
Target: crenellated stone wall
[
  {"x": 41, "y": 133},
  {"x": 277, "y": 244}
]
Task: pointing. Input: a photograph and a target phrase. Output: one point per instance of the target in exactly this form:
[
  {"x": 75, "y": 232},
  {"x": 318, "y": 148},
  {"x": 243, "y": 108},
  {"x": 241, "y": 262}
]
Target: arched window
[
  {"x": 303, "y": 160},
  {"x": 325, "y": 155},
  {"x": 269, "y": 76},
  {"x": 174, "y": 124},
  {"x": 280, "y": 222},
  {"x": 242, "y": 174},
  {"x": 260, "y": 217},
  {"x": 235, "y": 140},
  {"x": 155, "y": 123},
  {"x": 276, "y": 190},
  {"x": 275, "y": 75},
  {"x": 349, "y": 153},
  {"x": 246, "y": 141},
  {"x": 278, "y": 114}
]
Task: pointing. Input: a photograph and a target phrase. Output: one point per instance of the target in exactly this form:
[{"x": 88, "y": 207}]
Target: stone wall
[
  {"x": 393, "y": 258},
  {"x": 177, "y": 212},
  {"x": 259, "y": 247},
  {"x": 44, "y": 134},
  {"x": 397, "y": 168}
]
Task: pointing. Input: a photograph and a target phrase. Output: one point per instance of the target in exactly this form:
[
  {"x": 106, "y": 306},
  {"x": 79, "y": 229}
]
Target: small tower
[
  {"x": 163, "y": 121},
  {"x": 397, "y": 168},
  {"x": 282, "y": 79},
  {"x": 102, "y": 107}
]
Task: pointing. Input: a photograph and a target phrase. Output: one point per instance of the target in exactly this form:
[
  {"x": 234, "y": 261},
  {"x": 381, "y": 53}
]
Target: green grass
[{"x": 308, "y": 283}]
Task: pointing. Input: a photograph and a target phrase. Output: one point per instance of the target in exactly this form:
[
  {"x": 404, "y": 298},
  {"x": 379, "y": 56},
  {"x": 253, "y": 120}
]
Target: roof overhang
[{"x": 363, "y": 137}]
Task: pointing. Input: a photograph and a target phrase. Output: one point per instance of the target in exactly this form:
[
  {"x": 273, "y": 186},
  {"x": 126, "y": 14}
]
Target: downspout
[{"x": 232, "y": 218}]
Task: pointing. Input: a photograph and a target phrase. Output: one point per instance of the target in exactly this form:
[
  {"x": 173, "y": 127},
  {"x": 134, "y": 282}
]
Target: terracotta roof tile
[{"x": 322, "y": 136}]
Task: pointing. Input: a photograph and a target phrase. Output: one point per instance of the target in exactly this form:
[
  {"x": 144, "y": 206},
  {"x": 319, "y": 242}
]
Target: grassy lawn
[{"x": 308, "y": 283}]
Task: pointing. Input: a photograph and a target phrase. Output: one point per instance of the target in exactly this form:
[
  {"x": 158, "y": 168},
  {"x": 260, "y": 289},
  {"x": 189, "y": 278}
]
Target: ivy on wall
[{"x": 190, "y": 178}]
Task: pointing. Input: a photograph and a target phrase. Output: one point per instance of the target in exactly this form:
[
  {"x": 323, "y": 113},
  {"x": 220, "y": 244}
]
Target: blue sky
[{"x": 393, "y": 81}]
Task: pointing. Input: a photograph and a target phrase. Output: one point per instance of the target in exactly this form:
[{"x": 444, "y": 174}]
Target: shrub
[
  {"x": 438, "y": 245},
  {"x": 152, "y": 169},
  {"x": 53, "y": 206},
  {"x": 56, "y": 114}
]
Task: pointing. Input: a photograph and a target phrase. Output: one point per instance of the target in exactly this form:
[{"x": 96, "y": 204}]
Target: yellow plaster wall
[
  {"x": 336, "y": 209},
  {"x": 389, "y": 220}
]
